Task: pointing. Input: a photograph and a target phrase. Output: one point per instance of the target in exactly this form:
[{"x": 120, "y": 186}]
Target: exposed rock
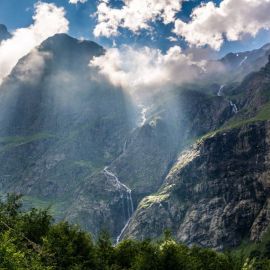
[
  {"x": 62, "y": 124},
  {"x": 216, "y": 195},
  {"x": 4, "y": 34}
]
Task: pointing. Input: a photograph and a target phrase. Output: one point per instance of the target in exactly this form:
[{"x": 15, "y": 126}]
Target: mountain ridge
[
  {"x": 71, "y": 139},
  {"x": 4, "y": 34}
]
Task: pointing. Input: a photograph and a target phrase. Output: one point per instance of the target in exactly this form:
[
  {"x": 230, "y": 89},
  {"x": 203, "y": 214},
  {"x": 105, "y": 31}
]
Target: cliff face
[
  {"x": 60, "y": 126},
  {"x": 4, "y": 34},
  {"x": 72, "y": 140},
  {"x": 216, "y": 194},
  {"x": 147, "y": 156}
]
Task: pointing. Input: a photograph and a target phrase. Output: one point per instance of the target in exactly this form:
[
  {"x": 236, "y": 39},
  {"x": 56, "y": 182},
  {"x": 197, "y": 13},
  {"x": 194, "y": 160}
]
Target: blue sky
[{"x": 18, "y": 13}]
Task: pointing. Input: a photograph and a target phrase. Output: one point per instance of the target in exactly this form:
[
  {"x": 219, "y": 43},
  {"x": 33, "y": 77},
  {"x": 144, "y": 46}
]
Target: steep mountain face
[
  {"x": 4, "y": 34},
  {"x": 59, "y": 124},
  {"x": 241, "y": 64},
  {"x": 217, "y": 193},
  {"x": 71, "y": 140},
  {"x": 148, "y": 154}
]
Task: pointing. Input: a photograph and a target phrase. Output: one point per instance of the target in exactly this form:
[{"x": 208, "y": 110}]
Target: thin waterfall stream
[
  {"x": 144, "y": 111},
  {"x": 127, "y": 198},
  {"x": 233, "y": 105}
]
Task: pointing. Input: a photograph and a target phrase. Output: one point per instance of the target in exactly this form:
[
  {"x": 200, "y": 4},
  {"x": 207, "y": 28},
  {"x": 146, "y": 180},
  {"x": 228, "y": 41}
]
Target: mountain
[
  {"x": 71, "y": 140},
  {"x": 189, "y": 159},
  {"x": 59, "y": 125},
  {"x": 241, "y": 64},
  {"x": 4, "y": 34},
  {"x": 217, "y": 193}
]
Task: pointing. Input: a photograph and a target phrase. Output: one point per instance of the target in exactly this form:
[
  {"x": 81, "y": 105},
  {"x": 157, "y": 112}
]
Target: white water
[
  {"x": 144, "y": 111},
  {"x": 130, "y": 205},
  {"x": 243, "y": 61},
  {"x": 220, "y": 90},
  {"x": 234, "y": 107},
  {"x": 125, "y": 146},
  {"x": 122, "y": 231}
]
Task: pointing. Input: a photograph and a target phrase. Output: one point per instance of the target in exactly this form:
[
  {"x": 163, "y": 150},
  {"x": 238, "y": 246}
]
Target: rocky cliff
[
  {"x": 71, "y": 140},
  {"x": 4, "y": 34},
  {"x": 216, "y": 194}
]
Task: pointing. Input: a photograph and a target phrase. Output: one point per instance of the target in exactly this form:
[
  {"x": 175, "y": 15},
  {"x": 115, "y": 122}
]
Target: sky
[
  {"x": 149, "y": 43},
  {"x": 118, "y": 23}
]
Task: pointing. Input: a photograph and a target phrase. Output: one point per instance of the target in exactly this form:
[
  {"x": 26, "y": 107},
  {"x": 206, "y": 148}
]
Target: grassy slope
[
  {"x": 262, "y": 115},
  {"x": 247, "y": 247}
]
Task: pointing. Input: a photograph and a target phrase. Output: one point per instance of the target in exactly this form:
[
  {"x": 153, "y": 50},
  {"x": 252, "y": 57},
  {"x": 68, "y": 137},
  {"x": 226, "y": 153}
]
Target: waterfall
[
  {"x": 125, "y": 146},
  {"x": 243, "y": 61},
  {"x": 127, "y": 200},
  {"x": 220, "y": 90},
  {"x": 122, "y": 231},
  {"x": 234, "y": 107},
  {"x": 143, "y": 115}
]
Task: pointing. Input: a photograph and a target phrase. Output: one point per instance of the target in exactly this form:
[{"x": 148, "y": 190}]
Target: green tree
[
  {"x": 126, "y": 253},
  {"x": 69, "y": 247},
  {"x": 148, "y": 257},
  {"x": 105, "y": 251}
]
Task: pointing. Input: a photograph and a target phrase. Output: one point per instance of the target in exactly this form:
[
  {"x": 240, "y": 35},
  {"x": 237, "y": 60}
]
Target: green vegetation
[
  {"x": 262, "y": 115},
  {"x": 259, "y": 253},
  {"x": 54, "y": 207},
  {"x": 7, "y": 143},
  {"x": 30, "y": 240}
]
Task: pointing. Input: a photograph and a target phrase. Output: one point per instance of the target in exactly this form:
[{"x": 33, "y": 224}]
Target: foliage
[{"x": 30, "y": 240}]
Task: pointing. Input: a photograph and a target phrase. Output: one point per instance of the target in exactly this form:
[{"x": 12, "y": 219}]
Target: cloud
[
  {"x": 77, "y": 1},
  {"x": 48, "y": 20},
  {"x": 232, "y": 20},
  {"x": 134, "y": 15},
  {"x": 143, "y": 68},
  {"x": 172, "y": 39},
  {"x": 32, "y": 67}
]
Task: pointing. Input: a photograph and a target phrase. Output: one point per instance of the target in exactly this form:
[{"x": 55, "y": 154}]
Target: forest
[{"x": 32, "y": 240}]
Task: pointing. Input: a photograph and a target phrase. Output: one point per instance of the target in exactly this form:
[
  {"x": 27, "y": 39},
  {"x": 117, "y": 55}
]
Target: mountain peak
[
  {"x": 64, "y": 48},
  {"x": 64, "y": 40},
  {"x": 4, "y": 34}
]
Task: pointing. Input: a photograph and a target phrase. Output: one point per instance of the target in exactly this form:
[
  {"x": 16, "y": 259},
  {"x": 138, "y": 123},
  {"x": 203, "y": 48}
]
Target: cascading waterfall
[
  {"x": 233, "y": 105},
  {"x": 143, "y": 115},
  {"x": 243, "y": 61},
  {"x": 126, "y": 195},
  {"x": 125, "y": 146},
  {"x": 220, "y": 90}
]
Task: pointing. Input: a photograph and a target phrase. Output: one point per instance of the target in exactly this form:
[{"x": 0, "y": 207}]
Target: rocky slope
[
  {"x": 59, "y": 125},
  {"x": 4, "y": 34},
  {"x": 217, "y": 193},
  {"x": 71, "y": 140},
  {"x": 148, "y": 154},
  {"x": 62, "y": 124},
  {"x": 239, "y": 65}
]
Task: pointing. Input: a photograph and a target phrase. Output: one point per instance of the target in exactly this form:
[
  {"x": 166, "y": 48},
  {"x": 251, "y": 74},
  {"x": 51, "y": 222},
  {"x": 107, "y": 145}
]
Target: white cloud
[
  {"x": 32, "y": 67},
  {"x": 77, "y": 1},
  {"x": 172, "y": 39},
  {"x": 48, "y": 20},
  {"x": 136, "y": 69},
  {"x": 233, "y": 19},
  {"x": 134, "y": 15}
]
